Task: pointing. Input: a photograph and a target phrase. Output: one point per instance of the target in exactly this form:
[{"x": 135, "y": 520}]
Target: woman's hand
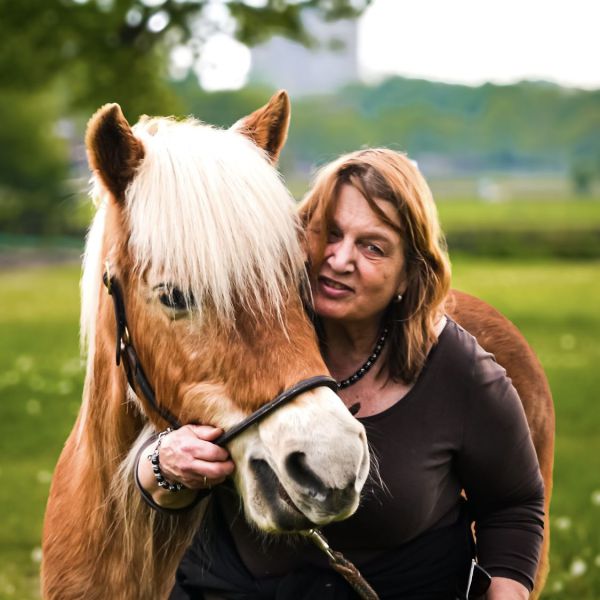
[
  {"x": 503, "y": 588},
  {"x": 188, "y": 456}
]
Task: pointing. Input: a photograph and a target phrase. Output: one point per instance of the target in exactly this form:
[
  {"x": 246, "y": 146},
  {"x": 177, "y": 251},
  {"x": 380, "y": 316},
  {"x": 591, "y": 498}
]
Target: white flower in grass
[
  {"x": 10, "y": 378},
  {"x": 36, "y": 555},
  {"x": 33, "y": 407},
  {"x": 44, "y": 476},
  {"x": 578, "y": 567},
  {"x": 65, "y": 387},
  {"x": 24, "y": 363},
  {"x": 567, "y": 341},
  {"x": 562, "y": 523},
  {"x": 596, "y": 497},
  {"x": 71, "y": 366},
  {"x": 6, "y": 587}
]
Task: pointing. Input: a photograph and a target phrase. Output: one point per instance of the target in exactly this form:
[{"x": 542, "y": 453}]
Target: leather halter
[{"x": 125, "y": 352}]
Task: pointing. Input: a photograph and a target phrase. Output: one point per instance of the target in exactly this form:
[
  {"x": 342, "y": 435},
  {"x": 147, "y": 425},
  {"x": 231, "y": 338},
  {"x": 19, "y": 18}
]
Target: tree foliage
[
  {"x": 32, "y": 164},
  {"x": 67, "y": 57},
  {"x": 535, "y": 125},
  {"x": 106, "y": 48}
]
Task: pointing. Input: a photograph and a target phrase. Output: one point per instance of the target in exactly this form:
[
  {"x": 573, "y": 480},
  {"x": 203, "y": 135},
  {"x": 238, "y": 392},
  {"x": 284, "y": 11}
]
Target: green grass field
[
  {"x": 556, "y": 305},
  {"x": 517, "y": 215}
]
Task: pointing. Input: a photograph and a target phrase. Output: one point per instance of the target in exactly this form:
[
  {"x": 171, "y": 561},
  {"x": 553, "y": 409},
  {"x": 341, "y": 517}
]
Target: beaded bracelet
[{"x": 154, "y": 459}]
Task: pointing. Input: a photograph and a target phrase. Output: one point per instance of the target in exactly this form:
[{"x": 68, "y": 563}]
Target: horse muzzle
[
  {"x": 305, "y": 465},
  {"x": 307, "y": 503}
]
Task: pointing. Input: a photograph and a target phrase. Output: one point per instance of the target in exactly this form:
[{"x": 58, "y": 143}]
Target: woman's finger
[
  {"x": 202, "y": 474},
  {"x": 205, "y": 432}
]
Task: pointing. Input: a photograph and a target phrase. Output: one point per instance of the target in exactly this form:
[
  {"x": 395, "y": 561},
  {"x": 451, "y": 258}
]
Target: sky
[
  {"x": 472, "y": 41},
  {"x": 458, "y": 41}
]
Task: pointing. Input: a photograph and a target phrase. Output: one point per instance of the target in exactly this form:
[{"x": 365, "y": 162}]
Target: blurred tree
[
  {"x": 118, "y": 49},
  {"x": 583, "y": 173},
  {"x": 67, "y": 57},
  {"x": 32, "y": 164},
  {"x": 492, "y": 127}
]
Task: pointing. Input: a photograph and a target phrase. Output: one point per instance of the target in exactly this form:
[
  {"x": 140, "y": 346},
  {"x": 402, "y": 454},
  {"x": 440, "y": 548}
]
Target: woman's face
[{"x": 363, "y": 263}]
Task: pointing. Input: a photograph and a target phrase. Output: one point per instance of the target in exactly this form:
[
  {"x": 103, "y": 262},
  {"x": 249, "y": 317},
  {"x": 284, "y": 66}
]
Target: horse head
[{"x": 200, "y": 233}]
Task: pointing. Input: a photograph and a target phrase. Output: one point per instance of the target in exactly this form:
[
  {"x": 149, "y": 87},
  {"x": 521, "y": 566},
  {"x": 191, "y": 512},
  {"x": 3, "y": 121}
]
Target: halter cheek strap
[{"x": 125, "y": 353}]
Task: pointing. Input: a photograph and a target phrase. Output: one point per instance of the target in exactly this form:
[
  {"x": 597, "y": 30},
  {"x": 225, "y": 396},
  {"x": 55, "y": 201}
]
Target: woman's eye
[
  {"x": 333, "y": 235},
  {"x": 174, "y": 298},
  {"x": 372, "y": 248}
]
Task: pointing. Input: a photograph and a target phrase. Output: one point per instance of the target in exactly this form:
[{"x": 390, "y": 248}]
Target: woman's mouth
[{"x": 334, "y": 289}]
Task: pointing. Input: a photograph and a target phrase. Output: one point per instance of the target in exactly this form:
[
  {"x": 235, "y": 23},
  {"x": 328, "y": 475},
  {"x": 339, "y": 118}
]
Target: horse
[
  {"x": 496, "y": 334},
  {"x": 202, "y": 235},
  {"x": 198, "y": 235}
]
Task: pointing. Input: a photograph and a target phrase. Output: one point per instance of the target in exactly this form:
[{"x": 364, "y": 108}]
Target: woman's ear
[{"x": 268, "y": 126}]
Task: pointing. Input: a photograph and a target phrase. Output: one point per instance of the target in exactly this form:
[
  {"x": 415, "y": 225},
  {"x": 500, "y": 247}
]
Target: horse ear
[
  {"x": 268, "y": 126},
  {"x": 114, "y": 153}
]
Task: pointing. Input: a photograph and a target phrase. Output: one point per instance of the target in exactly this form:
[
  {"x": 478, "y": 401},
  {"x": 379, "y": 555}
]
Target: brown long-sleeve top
[{"x": 461, "y": 427}]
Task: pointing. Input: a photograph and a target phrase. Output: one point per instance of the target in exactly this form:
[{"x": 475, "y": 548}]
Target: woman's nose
[{"x": 340, "y": 256}]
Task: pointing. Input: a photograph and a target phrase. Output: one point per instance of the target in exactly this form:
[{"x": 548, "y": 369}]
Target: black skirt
[{"x": 433, "y": 566}]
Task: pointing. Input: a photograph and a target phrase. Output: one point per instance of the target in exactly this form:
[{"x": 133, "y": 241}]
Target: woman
[{"x": 440, "y": 414}]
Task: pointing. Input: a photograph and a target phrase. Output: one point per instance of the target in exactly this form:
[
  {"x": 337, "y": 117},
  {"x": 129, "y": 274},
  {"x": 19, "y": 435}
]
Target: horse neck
[
  {"x": 110, "y": 423},
  {"x": 117, "y": 533}
]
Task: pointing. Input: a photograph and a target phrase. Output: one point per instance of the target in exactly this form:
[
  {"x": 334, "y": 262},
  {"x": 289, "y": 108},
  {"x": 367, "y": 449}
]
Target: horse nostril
[{"x": 302, "y": 474}]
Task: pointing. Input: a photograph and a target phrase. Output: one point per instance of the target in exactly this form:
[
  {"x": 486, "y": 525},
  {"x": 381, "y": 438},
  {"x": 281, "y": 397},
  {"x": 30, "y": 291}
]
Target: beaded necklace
[{"x": 362, "y": 371}]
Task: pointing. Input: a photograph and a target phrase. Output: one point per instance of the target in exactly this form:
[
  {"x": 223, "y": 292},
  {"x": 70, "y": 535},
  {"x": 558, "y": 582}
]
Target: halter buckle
[{"x": 321, "y": 542}]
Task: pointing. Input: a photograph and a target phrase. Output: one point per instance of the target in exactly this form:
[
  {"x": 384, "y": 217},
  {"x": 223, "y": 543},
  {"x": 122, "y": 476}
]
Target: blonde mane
[{"x": 207, "y": 214}]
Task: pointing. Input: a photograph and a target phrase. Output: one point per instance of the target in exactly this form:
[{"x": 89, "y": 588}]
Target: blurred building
[{"x": 331, "y": 64}]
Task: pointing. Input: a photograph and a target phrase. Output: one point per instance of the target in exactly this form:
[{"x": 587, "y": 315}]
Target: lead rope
[{"x": 343, "y": 566}]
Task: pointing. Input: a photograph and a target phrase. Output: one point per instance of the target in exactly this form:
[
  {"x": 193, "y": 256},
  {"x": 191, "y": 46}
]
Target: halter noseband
[{"x": 125, "y": 352}]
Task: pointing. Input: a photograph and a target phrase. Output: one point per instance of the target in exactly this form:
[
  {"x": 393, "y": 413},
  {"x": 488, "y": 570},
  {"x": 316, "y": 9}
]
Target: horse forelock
[{"x": 208, "y": 214}]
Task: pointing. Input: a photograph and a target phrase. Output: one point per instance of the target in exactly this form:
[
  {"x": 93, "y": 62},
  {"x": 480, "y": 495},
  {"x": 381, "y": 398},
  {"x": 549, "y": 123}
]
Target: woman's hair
[{"x": 382, "y": 174}]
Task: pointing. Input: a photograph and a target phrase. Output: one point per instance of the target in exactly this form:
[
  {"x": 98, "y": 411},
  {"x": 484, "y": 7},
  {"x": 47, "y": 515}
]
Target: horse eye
[{"x": 174, "y": 298}]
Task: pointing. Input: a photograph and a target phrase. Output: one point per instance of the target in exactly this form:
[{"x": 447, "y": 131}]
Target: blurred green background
[{"x": 515, "y": 170}]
